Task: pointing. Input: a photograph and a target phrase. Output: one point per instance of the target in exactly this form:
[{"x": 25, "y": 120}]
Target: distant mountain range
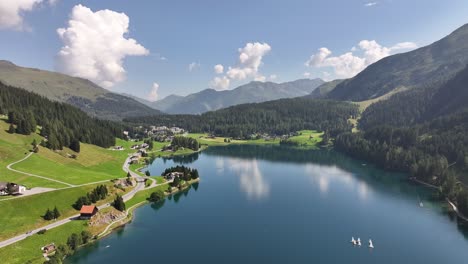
[
  {"x": 253, "y": 92},
  {"x": 436, "y": 62},
  {"x": 84, "y": 94}
]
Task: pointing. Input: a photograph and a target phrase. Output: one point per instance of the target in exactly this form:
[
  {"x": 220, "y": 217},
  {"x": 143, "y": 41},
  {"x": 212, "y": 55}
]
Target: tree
[
  {"x": 74, "y": 241},
  {"x": 11, "y": 129},
  {"x": 75, "y": 145},
  {"x": 119, "y": 203},
  {"x": 129, "y": 175},
  {"x": 49, "y": 215},
  {"x": 56, "y": 213},
  {"x": 86, "y": 236},
  {"x": 156, "y": 196},
  {"x": 147, "y": 173}
]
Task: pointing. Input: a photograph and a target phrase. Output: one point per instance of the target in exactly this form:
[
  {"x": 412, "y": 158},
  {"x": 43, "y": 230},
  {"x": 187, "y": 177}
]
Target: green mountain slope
[
  {"x": 425, "y": 65},
  {"x": 79, "y": 92},
  {"x": 253, "y": 92}
]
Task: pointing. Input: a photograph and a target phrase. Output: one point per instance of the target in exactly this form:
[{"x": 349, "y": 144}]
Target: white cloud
[
  {"x": 219, "y": 69},
  {"x": 306, "y": 74},
  {"x": 94, "y": 45},
  {"x": 260, "y": 78},
  {"x": 369, "y": 4},
  {"x": 220, "y": 83},
  {"x": 273, "y": 77},
  {"x": 192, "y": 66},
  {"x": 348, "y": 64},
  {"x": 153, "y": 94},
  {"x": 12, "y": 11},
  {"x": 250, "y": 60}
]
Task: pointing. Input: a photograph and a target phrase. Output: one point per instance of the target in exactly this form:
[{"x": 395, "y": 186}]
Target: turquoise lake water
[{"x": 271, "y": 204}]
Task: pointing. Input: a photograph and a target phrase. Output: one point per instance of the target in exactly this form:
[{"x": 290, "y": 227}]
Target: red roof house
[{"x": 87, "y": 211}]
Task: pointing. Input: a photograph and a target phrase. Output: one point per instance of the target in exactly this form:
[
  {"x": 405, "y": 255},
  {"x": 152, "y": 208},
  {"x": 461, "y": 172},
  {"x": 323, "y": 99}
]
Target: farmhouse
[
  {"x": 87, "y": 211},
  {"x": 48, "y": 249}
]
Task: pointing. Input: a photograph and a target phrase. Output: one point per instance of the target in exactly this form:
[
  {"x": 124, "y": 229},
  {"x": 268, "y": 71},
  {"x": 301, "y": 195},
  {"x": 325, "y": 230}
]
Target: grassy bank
[{"x": 25, "y": 213}]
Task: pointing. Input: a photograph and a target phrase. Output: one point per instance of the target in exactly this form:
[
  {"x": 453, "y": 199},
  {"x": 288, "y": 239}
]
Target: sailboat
[
  {"x": 359, "y": 241},
  {"x": 370, "y": 244},
  {"x": 353, "y": 241},
  {"x": 420, "y": 202}
]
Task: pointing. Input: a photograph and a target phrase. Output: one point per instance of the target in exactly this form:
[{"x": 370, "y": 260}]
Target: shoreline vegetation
[{"x": 305, "y": 139}]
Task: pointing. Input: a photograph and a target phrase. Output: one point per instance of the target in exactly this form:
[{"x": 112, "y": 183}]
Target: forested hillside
[
  {"x": 273, "y": 117},
  {"x": 82, "y": 93},
  {"x": 63, "y": 125}
]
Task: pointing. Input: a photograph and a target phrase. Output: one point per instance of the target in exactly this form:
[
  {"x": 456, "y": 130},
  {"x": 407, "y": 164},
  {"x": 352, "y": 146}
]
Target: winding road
[{"x": 139, "y": 186}]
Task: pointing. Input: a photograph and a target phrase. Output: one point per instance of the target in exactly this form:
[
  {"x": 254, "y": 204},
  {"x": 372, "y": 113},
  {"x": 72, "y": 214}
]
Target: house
[
  {"x": 7, "y": 188},
  {"x": 3, "y": 188},
  {"x": 170, "y": 176},
  {"x": 48, "y": 249},
  {"x": 16, "y": 188},
  {"x": 87, "y": 211}
]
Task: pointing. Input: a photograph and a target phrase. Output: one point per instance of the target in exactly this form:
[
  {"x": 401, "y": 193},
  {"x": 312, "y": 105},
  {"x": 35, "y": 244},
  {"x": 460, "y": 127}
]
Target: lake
[{"x": 273, "y": 204}]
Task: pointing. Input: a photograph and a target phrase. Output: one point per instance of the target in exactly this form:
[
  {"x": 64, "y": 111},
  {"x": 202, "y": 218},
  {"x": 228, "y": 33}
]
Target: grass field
[
  {"x": 308, "y": 138},
  {"x": 203, "y": 139},
  {"x": 29, "y": 249},
  {"x": 25, "y": 213}
]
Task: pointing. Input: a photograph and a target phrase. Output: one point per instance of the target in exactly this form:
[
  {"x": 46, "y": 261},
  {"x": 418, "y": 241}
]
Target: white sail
[
  {"x": 359, "y": 241},
  {"x": 353, "y": 241},
  {"x": 371, "y": 245}
]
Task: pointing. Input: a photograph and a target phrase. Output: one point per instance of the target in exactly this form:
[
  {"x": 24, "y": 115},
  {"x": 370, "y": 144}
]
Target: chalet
[
  {"x": 48, "y": 249},
  {"x": 87, "y": 211}
]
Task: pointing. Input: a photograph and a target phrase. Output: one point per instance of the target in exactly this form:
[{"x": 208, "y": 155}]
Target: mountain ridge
[
  {"x": 253, "y": 92},
  {"x": 82, "y": 93}
]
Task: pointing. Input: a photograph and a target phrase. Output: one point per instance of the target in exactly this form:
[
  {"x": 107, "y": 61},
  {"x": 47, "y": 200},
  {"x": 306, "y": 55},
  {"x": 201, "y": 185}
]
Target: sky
[{"x": 154, "y": 48}]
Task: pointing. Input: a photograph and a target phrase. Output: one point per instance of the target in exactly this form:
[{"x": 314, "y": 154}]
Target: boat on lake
[
  {"x": 353, "y": 241},
  {"x": 359, "y": 241},
  {"x": 371, "y": 245}
]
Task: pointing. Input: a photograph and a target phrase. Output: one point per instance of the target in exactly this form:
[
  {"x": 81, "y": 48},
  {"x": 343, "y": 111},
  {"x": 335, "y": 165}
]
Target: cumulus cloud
[
  {"x": 153, "y": 94},
  {"x": 192, "y": 66},
  {"x": 306, "y": 74},
  {"x": 250, "y": 60},
  {"x": 349, "y": 64},
  {"x": 220, "y": 83},
  {"x": 12, "y": 11},
  {"x": 273, "y": 77},
  {"x": 219, "y": 69},
  {"x": 95, "y": 45}
]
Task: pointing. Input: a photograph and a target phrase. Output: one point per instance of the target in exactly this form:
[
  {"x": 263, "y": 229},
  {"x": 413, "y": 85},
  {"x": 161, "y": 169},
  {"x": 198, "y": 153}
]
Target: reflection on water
[
  {"x": 251, "y": 179},
  {"x": 325, "y": 176}
]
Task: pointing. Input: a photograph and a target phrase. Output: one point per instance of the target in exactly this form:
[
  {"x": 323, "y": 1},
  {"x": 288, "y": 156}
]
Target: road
[{"x": 139, "y": 186}]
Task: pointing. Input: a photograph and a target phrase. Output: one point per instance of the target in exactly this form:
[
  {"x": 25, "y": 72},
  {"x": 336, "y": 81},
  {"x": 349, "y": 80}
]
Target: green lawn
[
  {"x": 24, "y": 214},
  {"x": 203, "y": 139},
  {"x": 29, "y": 249},
  {"x": 308, "y": 138}
]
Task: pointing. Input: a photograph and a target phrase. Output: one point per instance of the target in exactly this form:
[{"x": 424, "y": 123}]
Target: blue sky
[{"x": 284, "y": 36}]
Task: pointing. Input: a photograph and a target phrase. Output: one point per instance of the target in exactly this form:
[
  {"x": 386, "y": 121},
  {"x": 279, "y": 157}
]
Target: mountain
[
  {"x": 253, "y": 92},
  {"x": 82, "y": 93},
  {"x": 419, "y": 105},
  {"x": 432, "y": 63},
  {"x": 324, "y": 89}
]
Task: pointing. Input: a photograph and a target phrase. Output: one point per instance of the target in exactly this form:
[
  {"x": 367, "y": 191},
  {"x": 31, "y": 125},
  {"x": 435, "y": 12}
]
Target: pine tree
[
  {"x": 56, "y": 213},
  {"x": 12, "y": 129},
  {"x": 119, "y": 203},
  {"x": 49, "y": 215}
]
